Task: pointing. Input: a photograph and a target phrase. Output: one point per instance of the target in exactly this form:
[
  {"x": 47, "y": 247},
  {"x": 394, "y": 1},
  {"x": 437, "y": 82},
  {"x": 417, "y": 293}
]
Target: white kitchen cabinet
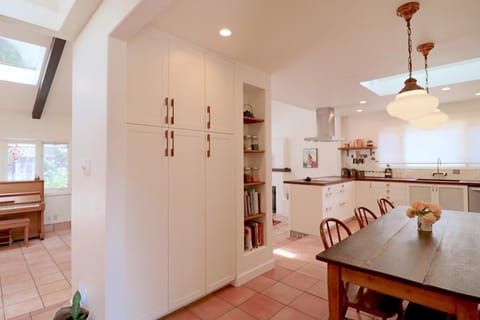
[
  {"x": 147, "y": 80},
  {"x": 220, "y": 200},
  {"x": 367, "y": 193},
  {"x": 448, "y": 196},
  {"x": 184, "y": 244},
  {"x": 219, "y": 90},
  {"x": 176, "y": 84},
  {"x": 147, "y": 223},
  {"x": 186, "y": 79},
  {"x": 186, "y": 206}
]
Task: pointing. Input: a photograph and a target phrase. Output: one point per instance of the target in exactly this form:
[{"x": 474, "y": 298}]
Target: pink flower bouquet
[{"x": 427, "y": 212}]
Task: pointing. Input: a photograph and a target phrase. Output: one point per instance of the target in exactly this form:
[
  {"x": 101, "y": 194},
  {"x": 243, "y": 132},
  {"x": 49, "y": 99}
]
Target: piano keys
[{"x": 23, "y": 199}]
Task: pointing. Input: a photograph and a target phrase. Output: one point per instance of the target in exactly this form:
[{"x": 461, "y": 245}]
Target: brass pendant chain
[
  {"x": 409, "y": 32},
  {"x": 426, "y": 73}
]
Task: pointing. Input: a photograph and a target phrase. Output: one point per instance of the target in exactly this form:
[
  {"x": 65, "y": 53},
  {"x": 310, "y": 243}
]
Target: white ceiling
[{"x": 318, "y": 52}]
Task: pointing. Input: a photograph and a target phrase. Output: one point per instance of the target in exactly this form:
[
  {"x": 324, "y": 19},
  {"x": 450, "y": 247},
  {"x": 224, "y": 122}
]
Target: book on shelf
[
  {"x": 253, "y": 235},
  {"x": 252, "y": 202}
]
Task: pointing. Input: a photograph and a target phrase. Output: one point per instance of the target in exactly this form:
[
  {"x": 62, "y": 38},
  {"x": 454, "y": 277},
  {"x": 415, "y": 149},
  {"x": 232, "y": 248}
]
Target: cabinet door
[
  {"x": 365, "y": 195},
  {"x": 420, "y": 192},
  {"x": 147, "y": 78},
  {"x": 220, "y": 211},
  {"x": 452, "y": 197},
  {"x": 146, "y": 254},
  {"x": 186, "y": 77},
  {"x": 219, "y": 90},
  {"x": 186, "y": 217}
]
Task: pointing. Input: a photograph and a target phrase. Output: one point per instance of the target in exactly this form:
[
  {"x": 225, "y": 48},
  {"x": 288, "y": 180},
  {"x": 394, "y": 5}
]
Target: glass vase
[{"x": 423, "y": 226}]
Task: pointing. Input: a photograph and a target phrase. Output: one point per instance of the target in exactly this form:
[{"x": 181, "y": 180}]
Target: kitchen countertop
[{"x": 330, "y": 180}]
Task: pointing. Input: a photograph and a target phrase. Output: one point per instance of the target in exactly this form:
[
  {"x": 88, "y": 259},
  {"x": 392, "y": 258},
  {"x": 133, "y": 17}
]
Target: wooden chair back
[
  {"x": 333, "y": 230},
  {"x": 385, "y": 205},
  {"x": 364, "y": 216}
]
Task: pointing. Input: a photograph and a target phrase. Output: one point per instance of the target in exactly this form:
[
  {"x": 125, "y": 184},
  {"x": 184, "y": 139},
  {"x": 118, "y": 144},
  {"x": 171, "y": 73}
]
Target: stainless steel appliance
[{"x": 474, "y": 199}]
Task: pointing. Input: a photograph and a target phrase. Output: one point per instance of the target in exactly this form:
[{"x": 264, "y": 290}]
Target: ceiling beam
[{"x": 55, "y": 53}]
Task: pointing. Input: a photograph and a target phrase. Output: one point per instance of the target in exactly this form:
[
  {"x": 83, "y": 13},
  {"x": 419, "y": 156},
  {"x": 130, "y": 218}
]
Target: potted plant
[{"x": 74, "y": 312}]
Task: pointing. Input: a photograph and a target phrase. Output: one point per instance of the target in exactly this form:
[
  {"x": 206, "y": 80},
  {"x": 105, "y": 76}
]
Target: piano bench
[{"x": 17, "y": 223}]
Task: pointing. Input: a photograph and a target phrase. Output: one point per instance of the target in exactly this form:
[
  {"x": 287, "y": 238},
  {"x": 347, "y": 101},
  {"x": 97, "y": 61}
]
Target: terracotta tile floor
[
  {"x": 35, "y": 280},
  {"x": 295, "y": 289}
]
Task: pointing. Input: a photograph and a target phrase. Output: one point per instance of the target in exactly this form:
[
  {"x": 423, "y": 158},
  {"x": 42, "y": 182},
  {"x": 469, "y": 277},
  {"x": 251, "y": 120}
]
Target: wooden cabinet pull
[
  {"x": 208, "y": 150},
  {"x": 172, "y": 135},
  {"x": 166, "y": 110},
  {"x": 166, "y": 143},
  {"x": 209, "y": 117},
  {"x": 172, "y": 104}
]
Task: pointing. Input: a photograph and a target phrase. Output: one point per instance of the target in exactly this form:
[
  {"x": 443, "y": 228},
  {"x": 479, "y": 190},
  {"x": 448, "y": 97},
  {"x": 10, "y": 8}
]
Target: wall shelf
[
  {"x": 255, "y": 216},
  {"x": 252, "y": 120},
  {"x": 357, "y": 148},
  {"x": 253, "y": 184},
  {"x": 253, "y": 151}
]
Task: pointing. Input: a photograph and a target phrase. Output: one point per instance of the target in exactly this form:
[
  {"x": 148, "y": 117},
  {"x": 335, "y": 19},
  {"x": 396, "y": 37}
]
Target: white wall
[{"x": 291, "y": 125}]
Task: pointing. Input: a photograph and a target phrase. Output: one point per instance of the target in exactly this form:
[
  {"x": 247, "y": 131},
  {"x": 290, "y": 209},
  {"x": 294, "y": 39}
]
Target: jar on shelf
[
  {"x": 247, "y": 143},
  {"x": 255, "y": 143},
  {"x": 247, "y": 175},
  {"x": 255, "y": 174}
]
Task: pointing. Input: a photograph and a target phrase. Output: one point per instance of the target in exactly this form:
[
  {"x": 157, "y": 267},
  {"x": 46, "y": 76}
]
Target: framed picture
[{"x": 310, "y": 158}]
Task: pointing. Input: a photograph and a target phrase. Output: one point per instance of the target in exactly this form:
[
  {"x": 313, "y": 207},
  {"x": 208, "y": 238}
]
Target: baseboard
[
  {"x": 61, "y": 226},
  {"x": 253, "y": 273}
]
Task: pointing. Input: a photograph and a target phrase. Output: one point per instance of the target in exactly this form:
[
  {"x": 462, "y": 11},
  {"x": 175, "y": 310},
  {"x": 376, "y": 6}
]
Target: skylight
[
  {"x": 458, "y": 72},
  {"x": 20, "y": 62}
]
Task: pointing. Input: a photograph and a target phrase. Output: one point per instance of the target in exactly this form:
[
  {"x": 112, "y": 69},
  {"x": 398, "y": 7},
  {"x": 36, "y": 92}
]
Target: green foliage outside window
[{"x": 55, "y": 166}]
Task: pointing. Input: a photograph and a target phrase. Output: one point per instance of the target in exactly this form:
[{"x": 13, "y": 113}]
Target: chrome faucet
[{"x": 438, "y": 173}]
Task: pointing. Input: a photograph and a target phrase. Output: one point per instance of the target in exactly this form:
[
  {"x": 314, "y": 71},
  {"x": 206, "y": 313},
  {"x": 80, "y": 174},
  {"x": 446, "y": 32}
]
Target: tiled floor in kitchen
[
  {"x": 35, "y": 280},
  {"x": 295, "y": 289}
]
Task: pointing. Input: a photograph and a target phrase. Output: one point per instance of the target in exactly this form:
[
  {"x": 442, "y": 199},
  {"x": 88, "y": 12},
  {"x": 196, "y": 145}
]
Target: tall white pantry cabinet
[{"x": 180, "y": 171}]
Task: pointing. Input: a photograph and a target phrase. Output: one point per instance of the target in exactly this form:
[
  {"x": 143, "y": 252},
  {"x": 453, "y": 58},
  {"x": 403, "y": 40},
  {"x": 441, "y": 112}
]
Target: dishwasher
[{"x": 474, "y": 199}]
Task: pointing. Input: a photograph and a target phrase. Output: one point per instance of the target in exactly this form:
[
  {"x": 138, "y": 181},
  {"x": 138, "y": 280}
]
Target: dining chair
[
  {"x": 385, "y": 205},
  {"x": 333, "y": 230},
  {"x": 364, "y": 216}
]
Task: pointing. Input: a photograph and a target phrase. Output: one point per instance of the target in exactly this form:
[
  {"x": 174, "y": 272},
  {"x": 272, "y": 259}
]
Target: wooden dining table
[{"x": 438, "y": 269}]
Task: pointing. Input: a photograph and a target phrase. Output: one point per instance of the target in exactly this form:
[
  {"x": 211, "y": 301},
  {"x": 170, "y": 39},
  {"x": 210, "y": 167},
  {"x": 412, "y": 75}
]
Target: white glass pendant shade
[
  {"x": 412, "y": 104},
  {"x": 430, "y": 121}
]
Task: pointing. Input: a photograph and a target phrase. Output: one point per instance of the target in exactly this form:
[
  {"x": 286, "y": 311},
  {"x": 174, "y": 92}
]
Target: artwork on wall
[{"x": 310, "y": 158}]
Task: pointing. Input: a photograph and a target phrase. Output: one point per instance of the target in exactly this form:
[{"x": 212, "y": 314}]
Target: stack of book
[
  {"x": 253, "y": 235},
  {"x": 251, "y": 202}
]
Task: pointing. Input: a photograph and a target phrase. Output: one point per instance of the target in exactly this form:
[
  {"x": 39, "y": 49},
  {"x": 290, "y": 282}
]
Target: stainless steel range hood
[{"x": 325, "y": 120}]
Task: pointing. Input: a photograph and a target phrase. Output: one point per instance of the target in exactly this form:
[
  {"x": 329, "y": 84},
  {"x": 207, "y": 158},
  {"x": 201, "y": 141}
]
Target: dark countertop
[{"x": 325, "y": 181}]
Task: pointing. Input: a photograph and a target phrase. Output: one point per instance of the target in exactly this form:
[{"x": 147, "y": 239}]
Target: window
[
  {"x": 20, "y": 61},
  {"x": 26, "y": 160},
  {"x": 21, "y": 161},
  {"x": 55, "y": 166}
]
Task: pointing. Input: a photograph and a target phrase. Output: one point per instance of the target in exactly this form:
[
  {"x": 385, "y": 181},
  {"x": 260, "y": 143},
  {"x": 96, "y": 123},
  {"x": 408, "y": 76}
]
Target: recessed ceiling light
[
  {"x": 445, "y": 88},
  {"x": 477, "y": 94},
  {"x": 225, "y": 32},
  {"x": 363, "y": 102},
  {"x": 359, "y": 110}
]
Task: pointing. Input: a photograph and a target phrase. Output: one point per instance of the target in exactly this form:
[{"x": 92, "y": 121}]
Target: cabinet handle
[
  {"x": 172, "y": 104},
  {"x": 209, "y": 117},
  {"x": 166, "y": 110},
  {"x": 166, "y": 143},
  {"x": 172, "y": 135},
  {"x": 208, "y": 140}
]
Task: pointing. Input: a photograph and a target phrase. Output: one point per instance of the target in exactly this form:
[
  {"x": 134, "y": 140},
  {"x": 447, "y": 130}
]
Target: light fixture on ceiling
[
  {"x": 477, "y": 94},
  {"x": 225, "y": 32},
  {"x": 434, "y": 118},
  {"x": 363, "y": 102},
  {"x": 412, "y": 101},
  {"x": 359, "y": 110},
  {"x": 445, "y": 88}
]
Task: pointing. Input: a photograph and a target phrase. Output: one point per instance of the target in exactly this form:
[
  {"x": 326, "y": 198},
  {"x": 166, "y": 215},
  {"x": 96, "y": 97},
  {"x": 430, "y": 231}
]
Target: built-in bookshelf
[{"x": 254, "y": 168}]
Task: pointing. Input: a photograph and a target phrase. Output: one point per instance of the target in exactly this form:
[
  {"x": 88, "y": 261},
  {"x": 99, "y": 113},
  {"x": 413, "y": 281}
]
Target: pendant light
[
  {"x": 412, "y": 101},
  {"x": 435, "y": 118}
]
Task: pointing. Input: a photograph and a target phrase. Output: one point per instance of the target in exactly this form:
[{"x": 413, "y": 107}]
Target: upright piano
[{"x": 23, "y": 199}]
